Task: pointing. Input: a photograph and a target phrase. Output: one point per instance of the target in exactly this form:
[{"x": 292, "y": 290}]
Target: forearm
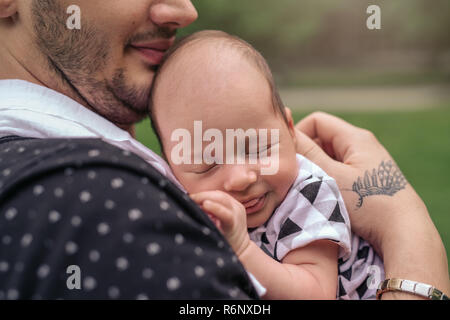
[
  {"x": 286, "y": 281},
  {"x": 413, "y": 250}
]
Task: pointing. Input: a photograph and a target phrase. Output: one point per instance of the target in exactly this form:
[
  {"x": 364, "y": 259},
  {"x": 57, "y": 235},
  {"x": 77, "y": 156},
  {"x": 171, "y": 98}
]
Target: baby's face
[{"x": 224, "y": 92}]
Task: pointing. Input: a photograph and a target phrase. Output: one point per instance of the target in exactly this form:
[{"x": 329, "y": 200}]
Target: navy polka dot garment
[{"x": 128, "y": 232}]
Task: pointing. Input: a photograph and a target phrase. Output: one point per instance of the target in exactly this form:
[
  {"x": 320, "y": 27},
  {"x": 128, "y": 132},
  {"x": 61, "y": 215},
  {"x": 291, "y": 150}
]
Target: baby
[{"x": 289, "y": 226}]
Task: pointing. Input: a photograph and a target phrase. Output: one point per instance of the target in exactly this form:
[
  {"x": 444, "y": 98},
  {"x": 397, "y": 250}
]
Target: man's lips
[
  {"x": 255, "y": 204},
  {"x": 153, "y": 52}
]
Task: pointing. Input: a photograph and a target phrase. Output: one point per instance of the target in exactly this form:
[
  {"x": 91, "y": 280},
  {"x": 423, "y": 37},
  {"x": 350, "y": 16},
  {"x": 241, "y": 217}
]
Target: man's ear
[{"x": 8, "y": 8}]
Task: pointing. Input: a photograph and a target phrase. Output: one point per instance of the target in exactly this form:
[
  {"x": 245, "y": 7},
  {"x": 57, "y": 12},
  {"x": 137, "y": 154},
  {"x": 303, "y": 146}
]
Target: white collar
[{"x": 34, "y": 111}]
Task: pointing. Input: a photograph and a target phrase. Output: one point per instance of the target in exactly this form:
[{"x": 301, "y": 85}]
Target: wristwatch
[{"x": 417, "y": 288}]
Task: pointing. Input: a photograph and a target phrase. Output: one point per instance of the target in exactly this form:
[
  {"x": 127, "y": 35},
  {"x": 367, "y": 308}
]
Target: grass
[
  {"x": 419, "y": 141},
  {"x": 345, "y": 77}
]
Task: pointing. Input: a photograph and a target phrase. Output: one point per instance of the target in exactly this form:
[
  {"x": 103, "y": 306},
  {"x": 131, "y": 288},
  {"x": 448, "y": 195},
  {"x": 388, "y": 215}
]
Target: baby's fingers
[{"x": 220, "y": 212}]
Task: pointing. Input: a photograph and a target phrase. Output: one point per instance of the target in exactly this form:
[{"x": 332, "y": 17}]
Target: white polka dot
[
  {"x": 206, "y": 231},
  {"x": 128, "y": 238},
  {"x": 153, "y": 249},
  {"x": 173, "y": 283},
  {"x": 140, "y": 195},
  {"x": 58, "y": 192},
  {"x": 21, "y": 149},
  {"x": 147, "y": 273},
  {"x": 109, "y": 204},
  {"x": 198, "y": 251},
  {"x": 68, "y": 172},
  {"x": 12, "y": 294},
  {"x": 134, "y": 214},
  {"x": 71, "y": 247},
  {"x": 113, "y": 292},
  {"x": 122, "y": 263},
  {"x": 85, "y": 196},
  {"x": 43, "y": 271},
  {"x": 162, "y": 183},
  {"x": 6, "y": 240},
  {"x": 220, "y": 244},
  {"x": 103, "y": 228},
  {"x": 142, "y": 296},
  {"x": 126, "y": 153},
  {"x": 10, "y": 213},
  {"x": 89, "y": 283},
  {"x": 4, "y": 266},
  {"x": 6, "y": 172},
  {"x": 92, "y": 175},
  {"x": 179, "y": 239},
  {"x": 220, "y": 262},
  {"x": 199, "y": 271},
  {"x": 38, "y": 190},
  {"x": 75, "y": 221},
  {"x": 144, "y": 180},
  {"x": 26, "y": 240},
  {"x": 94, "y": 256},
  {"x": 116, "y": 183},
  {"x": 234, "y": 259},
  {"x": 93, "y": 153},
  {"x": 54, "y": 216},
  {"x": 233, "y": 292},
  {"x": 180, "y": 215},
  {"x": 164, "y": 205},
  {"x": 37, "y": 152}
]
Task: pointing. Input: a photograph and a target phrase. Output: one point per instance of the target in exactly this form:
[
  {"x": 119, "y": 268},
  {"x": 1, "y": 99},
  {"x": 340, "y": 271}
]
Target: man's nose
[
  {"x": 173, "y": 13},
  {"x": 240, "y": 177}
]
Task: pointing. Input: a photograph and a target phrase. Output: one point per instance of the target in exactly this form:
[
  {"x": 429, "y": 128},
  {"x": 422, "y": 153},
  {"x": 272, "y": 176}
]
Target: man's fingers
[
  {"x": 310, "y": 150},
  {"x": 325, "y": 127}
]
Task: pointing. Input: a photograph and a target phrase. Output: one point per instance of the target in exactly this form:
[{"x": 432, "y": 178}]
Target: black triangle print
[
  {"x": 311, "y": 190},
  {"x": 266, "y": 251},
  {"x": 264, "y": 238},
  {"x": 336, "y": 215},
  {"x": 342, "y": 291},
  {"x": 347, "y": 274},
  {"x": 363, "y": 253},
  {"x": 288, "y": 228},
  {"x": 275, "y": 252},
  {"x": 362, "y": 289}
]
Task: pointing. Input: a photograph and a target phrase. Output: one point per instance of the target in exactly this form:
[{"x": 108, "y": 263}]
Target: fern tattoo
[{"x": 387, "y": 181}]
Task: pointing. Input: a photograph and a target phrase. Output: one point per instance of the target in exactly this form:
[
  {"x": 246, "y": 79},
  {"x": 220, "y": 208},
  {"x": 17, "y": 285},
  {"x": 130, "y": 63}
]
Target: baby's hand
[{"x": 231, "y": 214}]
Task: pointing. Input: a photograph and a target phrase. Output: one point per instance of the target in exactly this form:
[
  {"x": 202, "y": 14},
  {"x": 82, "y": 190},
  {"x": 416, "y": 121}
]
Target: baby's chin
[{"x": 260, "y": 217}]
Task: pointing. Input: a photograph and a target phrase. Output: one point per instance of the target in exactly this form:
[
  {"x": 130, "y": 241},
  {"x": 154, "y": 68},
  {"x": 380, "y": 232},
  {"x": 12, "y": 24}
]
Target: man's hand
[{"x": 231, "y": 214}]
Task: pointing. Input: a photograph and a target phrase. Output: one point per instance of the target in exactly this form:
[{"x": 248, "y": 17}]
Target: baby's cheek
[{"x": 286, "y": 176}]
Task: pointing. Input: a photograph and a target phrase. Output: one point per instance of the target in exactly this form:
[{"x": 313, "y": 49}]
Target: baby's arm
[{"x": 309, "y": 272}]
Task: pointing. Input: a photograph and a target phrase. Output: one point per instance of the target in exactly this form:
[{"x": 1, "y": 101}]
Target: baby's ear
[
  {"x": 290, "y": 121},
  {"x": 290, "y": 124}
]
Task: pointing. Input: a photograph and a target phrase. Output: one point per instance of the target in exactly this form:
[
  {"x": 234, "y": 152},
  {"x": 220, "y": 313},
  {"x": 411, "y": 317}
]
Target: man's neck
[{"x": 12, "y": 68}]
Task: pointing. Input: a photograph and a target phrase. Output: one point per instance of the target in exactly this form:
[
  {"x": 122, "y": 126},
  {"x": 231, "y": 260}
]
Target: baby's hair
[{"x": 241, "y": 46}]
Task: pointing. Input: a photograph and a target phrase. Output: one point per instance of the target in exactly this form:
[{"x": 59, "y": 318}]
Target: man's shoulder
[{"x": 26, "y": 158}]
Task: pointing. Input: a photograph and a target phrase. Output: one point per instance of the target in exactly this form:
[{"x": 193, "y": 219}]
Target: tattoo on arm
[{"x": 387, "y": 180}]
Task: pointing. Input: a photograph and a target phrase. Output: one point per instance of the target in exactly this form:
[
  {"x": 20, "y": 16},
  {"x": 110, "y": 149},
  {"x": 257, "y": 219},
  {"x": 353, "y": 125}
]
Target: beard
[{"x": 80, "y": 57}]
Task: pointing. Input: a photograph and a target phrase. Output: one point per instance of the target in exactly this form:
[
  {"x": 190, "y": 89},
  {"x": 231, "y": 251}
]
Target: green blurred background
[{"x": 394, "y": 81}]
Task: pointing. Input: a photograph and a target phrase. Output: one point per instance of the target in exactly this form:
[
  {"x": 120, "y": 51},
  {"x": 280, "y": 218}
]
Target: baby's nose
[{"x": 240, "y": 177}]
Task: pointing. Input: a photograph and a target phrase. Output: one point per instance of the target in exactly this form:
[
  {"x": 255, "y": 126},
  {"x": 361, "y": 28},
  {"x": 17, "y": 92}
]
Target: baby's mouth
[{"x": 255, "y": 204}]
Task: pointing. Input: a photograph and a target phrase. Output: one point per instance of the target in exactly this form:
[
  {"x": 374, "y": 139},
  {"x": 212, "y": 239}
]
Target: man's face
[{"x": 109, "y": 62}]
